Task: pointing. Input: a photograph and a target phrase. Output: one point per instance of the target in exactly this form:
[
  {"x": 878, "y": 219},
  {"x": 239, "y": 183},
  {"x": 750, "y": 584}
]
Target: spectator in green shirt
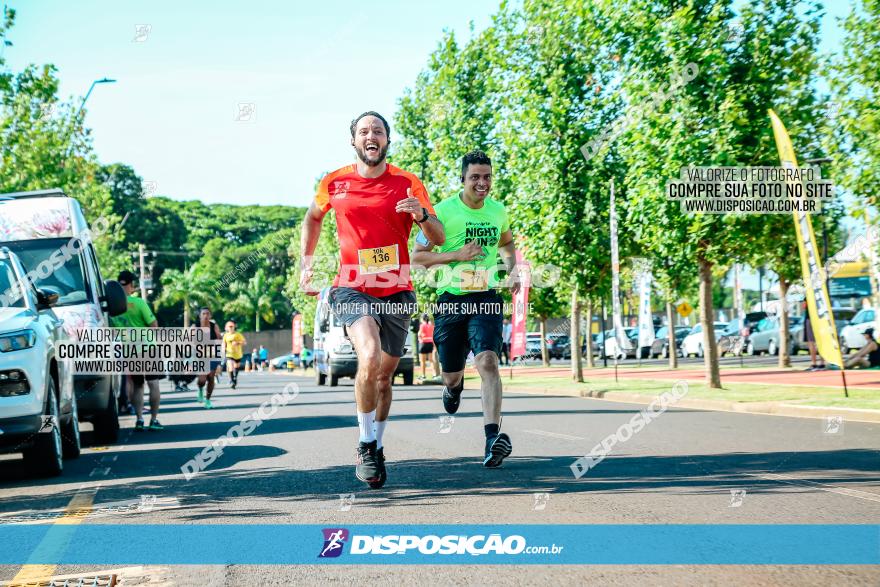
[{"x": 139, "y": 315}]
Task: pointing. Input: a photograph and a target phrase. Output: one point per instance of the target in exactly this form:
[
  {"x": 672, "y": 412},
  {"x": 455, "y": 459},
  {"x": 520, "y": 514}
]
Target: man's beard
[{"x": 378, "y": 158}]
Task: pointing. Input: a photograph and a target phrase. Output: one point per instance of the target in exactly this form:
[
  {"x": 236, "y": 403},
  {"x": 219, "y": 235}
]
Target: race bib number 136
[{"x": 378, "y": 260}]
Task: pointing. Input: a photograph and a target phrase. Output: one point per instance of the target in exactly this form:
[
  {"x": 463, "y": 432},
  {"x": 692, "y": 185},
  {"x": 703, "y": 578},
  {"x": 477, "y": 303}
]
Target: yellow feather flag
[{"x": 818, "y": 302}]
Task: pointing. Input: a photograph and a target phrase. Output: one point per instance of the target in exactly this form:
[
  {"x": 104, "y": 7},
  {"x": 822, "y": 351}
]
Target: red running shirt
[
  {"x": 373, "y": 238},
  {"x": 426, "y": 332}
]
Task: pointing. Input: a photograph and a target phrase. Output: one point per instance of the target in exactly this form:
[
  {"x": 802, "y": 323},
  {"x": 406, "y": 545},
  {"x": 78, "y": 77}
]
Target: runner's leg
[
  {"x": 155, "y": 394},
  {"x": 490, "y": 387}
]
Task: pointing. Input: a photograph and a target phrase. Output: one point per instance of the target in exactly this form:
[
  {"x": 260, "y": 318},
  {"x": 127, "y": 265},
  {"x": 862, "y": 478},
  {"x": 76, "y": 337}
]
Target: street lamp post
[{"x": 103, "y": 80}]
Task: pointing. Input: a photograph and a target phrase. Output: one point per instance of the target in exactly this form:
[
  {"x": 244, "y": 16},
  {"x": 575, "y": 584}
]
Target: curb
[{"x": 763, "y": 408}]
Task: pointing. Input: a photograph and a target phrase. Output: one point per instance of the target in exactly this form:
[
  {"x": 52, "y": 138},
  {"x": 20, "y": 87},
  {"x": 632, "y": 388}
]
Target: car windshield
[
  {"x": 10, "y": 296},
  {"x": 65, "y": 277}
]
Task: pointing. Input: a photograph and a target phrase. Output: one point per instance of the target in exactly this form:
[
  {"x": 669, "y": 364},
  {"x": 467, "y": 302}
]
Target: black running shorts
[
  {"x": 464, "y": 323},
  {"x": 392, "y": 314}
]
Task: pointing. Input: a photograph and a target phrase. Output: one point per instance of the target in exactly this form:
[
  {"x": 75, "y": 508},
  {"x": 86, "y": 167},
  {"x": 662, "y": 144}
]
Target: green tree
[
  {"x": 187, "y": 288},
  {"x": 258, "y": 297}
]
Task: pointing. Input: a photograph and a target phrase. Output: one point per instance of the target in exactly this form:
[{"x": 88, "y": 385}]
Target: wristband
[{"x": 425, "y": 217}]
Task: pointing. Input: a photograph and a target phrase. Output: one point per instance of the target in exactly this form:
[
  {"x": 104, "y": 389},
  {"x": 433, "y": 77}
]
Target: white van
[
  {"x": 49, "y": 233},
  {"x": 334, "y": 353}
]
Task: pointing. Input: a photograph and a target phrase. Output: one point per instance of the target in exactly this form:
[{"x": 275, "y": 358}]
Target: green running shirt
[{"x": 463, "y": 225}]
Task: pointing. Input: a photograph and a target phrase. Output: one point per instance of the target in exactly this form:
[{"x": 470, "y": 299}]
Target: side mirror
[
  {"x": 46, "y": 299},
  {"x": 114, "y": 302}
]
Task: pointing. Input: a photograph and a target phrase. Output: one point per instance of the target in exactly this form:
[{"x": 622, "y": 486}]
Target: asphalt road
[{"x": 293, "y": 469}]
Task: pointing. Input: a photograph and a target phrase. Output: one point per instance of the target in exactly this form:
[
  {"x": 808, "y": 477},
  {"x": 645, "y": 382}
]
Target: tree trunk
[
  {"x": 673, "y": 350},
  {"x": 257, "y": 314},
  {"x": 707, "y": 319},
  {"x": 545, "y": 353},
  {"x": 186, "y": 313},
  {"x": 577, "y": 367},
  {"x": 589, "y": 335},
  {"x": 784, "y": 357}
]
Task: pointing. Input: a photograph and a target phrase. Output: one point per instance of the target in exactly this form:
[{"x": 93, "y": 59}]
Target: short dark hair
[
  {"x": 354, "y": 122},
  {"x": 125, "y": 277},
  {"x": 476, "y": 158},
  {"x": 203, "y": 308}
]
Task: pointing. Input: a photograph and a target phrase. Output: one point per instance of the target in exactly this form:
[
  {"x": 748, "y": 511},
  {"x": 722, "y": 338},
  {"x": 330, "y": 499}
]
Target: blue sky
[{"x": 308, "y": 68}]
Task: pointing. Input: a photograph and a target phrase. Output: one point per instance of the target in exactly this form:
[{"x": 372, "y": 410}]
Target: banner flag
[
  {"x": 818, "y": 303},
  {"x": 620, "y": 337},
  {"x": 520, "y": 310},
  {"x": 646, "y": 320}
]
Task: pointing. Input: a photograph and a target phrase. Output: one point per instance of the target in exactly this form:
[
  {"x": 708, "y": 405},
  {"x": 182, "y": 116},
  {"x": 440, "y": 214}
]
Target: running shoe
[
  {"x": 201, "y": 397},
  {"x": 452, "y": 398},
  {"x": 497, "y": 449},
  {"x": 139, "y": 425},
  {"x": 155, "y": 425},
  {"x": 367, "y": 467},
  {"x": 383, "y": 474},
  {"x": 208, "y": 404}
]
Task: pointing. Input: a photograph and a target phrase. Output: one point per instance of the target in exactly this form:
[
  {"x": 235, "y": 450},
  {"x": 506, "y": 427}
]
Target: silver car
[{"x": 766, "y": 337}]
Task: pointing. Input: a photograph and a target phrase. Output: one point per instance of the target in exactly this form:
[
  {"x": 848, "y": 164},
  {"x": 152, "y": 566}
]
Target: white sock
[
  {"x": 365, "y": 423},
  {"x": 380, "y": 430}
]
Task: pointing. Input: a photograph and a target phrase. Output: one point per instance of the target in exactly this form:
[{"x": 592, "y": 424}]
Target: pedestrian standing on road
[
  {"x": 233, "y": 344},
  {"x": 264, "y": 357},
  {"x": 470, "y": 319},
  {"x": 506, "y": 332},
  {"x": 139, "y": 315},
  {"x": 376, "y": 205},
  {"x": 205, "y": 321},
  {"x": 810, "y": 338},
  {"x": 426, "y": 345}
]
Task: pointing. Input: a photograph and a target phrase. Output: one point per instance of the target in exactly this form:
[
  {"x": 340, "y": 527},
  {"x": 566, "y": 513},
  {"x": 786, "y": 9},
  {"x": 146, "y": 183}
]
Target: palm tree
[
  {"x": 258, "y": 296},
  {"x": 187, "y": 287}
]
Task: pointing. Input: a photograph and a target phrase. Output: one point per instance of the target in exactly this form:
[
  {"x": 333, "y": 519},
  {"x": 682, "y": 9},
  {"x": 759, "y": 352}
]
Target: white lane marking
[
  {"x": 554, "y": 435},
  {"x": 822, "y": 486},
  {"x": 98, "y": 510}
]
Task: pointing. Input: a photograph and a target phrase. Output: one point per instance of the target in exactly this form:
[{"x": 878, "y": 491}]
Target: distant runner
[
  {"x": 233, "y": 345},
  {"x": 376, "y": 204},
  {"x": 205, "y": 321},
  {"x": 469, "y": 316}
]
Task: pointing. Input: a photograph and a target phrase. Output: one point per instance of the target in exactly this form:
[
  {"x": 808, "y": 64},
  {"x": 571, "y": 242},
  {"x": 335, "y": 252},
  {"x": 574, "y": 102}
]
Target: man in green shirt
[
  {"x": 139, "y": 315},
  {"x": 469, "y": 310}
]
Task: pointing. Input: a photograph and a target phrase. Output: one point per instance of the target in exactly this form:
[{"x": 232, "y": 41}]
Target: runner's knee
[{"x": 487, "y": 361}]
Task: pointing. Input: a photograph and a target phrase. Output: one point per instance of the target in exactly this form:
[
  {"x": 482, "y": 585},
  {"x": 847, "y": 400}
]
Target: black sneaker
[
  {"x": 383, "y": 475},
  {"x": 139, "y": 425},
  {"x": 497, "y": 449},
  {"x": 452, "y": 398},
  {"x": 367, "y": 467}
]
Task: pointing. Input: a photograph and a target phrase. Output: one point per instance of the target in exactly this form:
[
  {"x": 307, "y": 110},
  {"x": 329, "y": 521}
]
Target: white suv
[
  {"x": 852, "y": 336},
  {"x": 38, "y": 413}
]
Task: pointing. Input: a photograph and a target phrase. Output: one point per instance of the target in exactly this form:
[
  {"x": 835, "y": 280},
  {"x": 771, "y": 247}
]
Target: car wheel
[
  {"x": 700, "y": 351},
  {"x": 771, "y": 348},
  {"x": 107, "y": 422},
  {"x": 750, "y": 349},
  {"x": 70, "y": 438},
  {"x": 664, "y": 352},
  {"x": 844, "y": 350},
  {"x": 44, "y": 459},
  {"x": 320, "y": 378}
]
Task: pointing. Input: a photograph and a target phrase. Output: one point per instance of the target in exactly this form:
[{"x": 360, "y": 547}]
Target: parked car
[
  {"x": 766, "y": 337},
  {"x": 660, "y": 348},
  {"x": 48, "y": 230},
  {"x": 281, "y": 362},
  {"x": 611, "y": 349},
  {"x": 692, "y": 344},
  {"x": 38, "y": 409},
  {"x": 852, "y": 335},
  {"x": 559, "y": 346},
  {"x": 533, "y": 345},
  {"x": 334, "y": 354}
]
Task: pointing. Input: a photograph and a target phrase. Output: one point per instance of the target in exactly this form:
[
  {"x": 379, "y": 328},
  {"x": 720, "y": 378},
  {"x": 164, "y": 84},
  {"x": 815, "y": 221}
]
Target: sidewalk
[
  {"x": 787, "y": 392},
  {"x": 769, "y": 375}
]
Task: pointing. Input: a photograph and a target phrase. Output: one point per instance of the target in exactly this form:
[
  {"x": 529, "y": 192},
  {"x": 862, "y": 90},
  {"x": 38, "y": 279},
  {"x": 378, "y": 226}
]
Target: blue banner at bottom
[{"x": 685, "y": 544}]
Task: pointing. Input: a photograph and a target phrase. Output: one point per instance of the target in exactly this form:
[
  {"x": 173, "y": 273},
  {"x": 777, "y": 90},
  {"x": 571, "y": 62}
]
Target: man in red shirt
[{"x": 376, "y": 205}]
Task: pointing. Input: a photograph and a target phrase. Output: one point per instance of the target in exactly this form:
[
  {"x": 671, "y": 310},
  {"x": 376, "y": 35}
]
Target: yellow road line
[{"x": 78, "y": 508}]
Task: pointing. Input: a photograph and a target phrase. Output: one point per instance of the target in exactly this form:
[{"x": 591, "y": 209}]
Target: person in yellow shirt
[{"x": 233, "y": 345}]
